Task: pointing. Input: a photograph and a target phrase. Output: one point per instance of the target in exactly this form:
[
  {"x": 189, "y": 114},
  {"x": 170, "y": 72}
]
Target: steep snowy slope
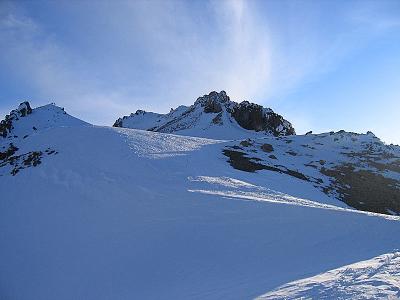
[
  {"x": 129, "y": 214},
  {"x": 212, "y": 116}
]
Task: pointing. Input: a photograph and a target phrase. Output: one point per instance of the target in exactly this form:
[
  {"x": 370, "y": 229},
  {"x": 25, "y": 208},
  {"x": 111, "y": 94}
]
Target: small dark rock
[
  {"x": 267, "y": 148},
  {"x": 218, "y": 119},
  {"x": 246, "y": 143},
  {"x": 9, "y": 152}
]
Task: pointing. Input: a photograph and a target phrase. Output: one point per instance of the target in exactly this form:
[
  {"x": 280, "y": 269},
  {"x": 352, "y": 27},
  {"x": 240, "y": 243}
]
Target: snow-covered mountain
[
  {"x": 355, "y": 168},
  {"x": 91, "y": 212},
  {"x": 212, "y": 116},
  {"x": 358, "y": 169},
  {"x": 24, "y": 120}
]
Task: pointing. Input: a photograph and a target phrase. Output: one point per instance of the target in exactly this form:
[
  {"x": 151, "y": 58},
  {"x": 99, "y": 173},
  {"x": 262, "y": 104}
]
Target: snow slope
[
  {"x": 129, "y": 214},
  {"x": 378, "y": 277}
]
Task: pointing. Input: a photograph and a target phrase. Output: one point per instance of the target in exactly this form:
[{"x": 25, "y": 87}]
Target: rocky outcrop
[
  {"x": 7, "y": 152},
  {"x": 255, "y": 117},
  {"x": 24, "y": 109},
  {"x": 12, "y": 163},
  {"x": 6, "y": 125},
  {"x": 118, "y": 122},
  {"x": 212, "y": 103}
]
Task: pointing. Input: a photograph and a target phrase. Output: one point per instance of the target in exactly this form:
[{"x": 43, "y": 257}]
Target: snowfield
[{"x": 129, "y": 214}]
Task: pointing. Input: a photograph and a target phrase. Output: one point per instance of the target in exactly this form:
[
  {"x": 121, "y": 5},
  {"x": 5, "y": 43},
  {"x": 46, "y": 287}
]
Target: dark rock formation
[
  {"x": 15, "y": 163},
  {"x": 8, "y": 152},
  {"x": 365, "y": 189},
  {"x": 118, "y": 123},
  {"x": 212, "y": 103},
  {"x": 218, "y": 119},
  {"x": 240, "y": 161},
  {"x": 24, "y": 109},
  {"x": 267, "y": 148},
  {"x": 255, "y": 117},
  {"x": 6, "y": 125},
  {"x": 246, "y": 143}
]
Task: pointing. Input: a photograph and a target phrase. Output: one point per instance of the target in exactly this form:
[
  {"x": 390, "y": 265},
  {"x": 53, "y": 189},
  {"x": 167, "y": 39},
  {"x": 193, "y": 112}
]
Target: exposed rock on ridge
[
  {"x": 255, "y": 117},
  {"x": 6, "y": 125},
  {"x": 211, "y": 113}
]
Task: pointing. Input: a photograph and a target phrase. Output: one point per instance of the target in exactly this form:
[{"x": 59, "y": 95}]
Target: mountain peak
[
  {"x": 213, "y": 102},
  {"x": 213, "y": 116},
  {"x": 24, "y": 120}
]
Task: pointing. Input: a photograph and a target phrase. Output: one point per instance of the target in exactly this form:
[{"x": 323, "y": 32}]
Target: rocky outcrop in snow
[
  {"x": 11, "y": 163},
  {"x": 255, "y": 117},
  {"x": 6, "y": 125},
  {"x": 214, "y": 116}
]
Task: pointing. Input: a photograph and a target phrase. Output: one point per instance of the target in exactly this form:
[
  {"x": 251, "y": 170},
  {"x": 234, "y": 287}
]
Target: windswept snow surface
[
  {"x": 129, "y": 214},
  {"x": 377, "y": 278}
]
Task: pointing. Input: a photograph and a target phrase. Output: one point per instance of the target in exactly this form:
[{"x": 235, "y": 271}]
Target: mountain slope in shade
[{"x": 212, "y": 116}]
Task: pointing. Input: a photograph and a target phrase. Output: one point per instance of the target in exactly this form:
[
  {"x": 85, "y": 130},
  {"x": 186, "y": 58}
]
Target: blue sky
[{"x": 324, "y": 65}]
